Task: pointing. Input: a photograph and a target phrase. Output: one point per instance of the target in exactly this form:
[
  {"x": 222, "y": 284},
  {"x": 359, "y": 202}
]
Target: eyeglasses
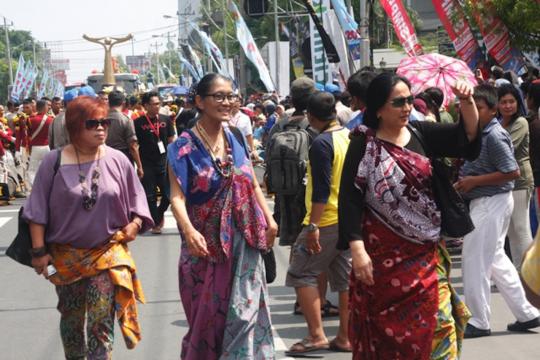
[
  {"x": 401, "y": 101},
  {"x": 219, "y": 97},
  {"x": 92, "y": 124}
]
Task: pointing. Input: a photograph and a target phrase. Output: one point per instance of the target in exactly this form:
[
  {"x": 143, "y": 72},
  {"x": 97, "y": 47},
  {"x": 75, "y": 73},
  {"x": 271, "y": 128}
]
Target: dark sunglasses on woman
[
  {"x": 91, "y": 124},
  {"x": 400, "y": 101}
]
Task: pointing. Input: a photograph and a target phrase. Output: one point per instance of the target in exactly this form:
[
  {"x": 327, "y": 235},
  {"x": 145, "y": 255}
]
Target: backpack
[{"x": 286, "y": 159}]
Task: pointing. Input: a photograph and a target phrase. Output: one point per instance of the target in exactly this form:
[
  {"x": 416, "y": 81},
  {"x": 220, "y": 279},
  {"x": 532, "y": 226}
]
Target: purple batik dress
[{"x": 224, "y": 295}]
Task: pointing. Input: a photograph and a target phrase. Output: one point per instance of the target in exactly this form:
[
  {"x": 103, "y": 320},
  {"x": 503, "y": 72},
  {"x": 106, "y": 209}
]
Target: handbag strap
[{"x": 420, "y": 138}]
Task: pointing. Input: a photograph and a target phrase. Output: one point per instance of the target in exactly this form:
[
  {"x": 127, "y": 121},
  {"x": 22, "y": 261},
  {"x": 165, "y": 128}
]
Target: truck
[{"x": 131, "y": 83}]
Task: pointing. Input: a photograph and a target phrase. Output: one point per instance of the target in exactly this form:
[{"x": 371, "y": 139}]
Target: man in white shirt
[{"x": 243, "y": 123}]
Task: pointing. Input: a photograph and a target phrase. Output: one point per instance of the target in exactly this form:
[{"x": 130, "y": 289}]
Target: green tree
[
  {"x": 21, "y": 42},
  {"x": 519, "y": 16}
]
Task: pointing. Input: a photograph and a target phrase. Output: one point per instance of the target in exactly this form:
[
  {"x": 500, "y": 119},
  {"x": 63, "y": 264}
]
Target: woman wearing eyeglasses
[
  {"x": 86, "y": 204},
  {"x": 225, "y": 226},
  {"x": 402, "y": 305}
]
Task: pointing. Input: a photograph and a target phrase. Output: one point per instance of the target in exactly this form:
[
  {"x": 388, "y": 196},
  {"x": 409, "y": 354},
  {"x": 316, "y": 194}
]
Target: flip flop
[
  {"x": 305, "y": 346},
  {"x": 329, "y": 310},
  {"x": 333, "y": 346}
]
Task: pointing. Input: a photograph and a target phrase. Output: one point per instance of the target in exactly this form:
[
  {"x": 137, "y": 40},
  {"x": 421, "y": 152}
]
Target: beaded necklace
[
  {"x": 223, "y": 167},
  {"x": 89, "y": 196}
]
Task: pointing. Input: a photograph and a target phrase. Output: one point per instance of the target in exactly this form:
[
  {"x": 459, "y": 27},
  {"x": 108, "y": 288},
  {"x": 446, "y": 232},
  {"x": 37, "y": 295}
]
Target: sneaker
[
  {"x": 519, "y": 326},
  {"x": 156, "y": 230},
  {"x": 472, "y": 331}
]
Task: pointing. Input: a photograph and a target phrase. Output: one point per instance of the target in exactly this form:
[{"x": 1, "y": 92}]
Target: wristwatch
[{"x": 311, "y": 227}]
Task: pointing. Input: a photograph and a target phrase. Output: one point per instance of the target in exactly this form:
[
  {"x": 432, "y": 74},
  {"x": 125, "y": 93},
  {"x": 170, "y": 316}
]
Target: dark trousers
[{"x": 155, "y": 176}]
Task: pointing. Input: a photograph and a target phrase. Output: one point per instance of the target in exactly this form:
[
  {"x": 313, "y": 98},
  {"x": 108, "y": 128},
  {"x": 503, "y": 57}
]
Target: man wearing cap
[
  {"x": 344, "y": 113},
  {"x": 121, "y": 133}
]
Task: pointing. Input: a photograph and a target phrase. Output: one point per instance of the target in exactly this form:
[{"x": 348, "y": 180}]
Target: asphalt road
[{"x": 29, "y": 319}]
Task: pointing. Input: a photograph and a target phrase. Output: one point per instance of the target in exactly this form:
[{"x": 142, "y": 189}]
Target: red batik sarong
[{"x": 395, "y": 318}]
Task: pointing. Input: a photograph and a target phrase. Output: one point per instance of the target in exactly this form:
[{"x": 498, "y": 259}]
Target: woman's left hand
[
  {"x": 131, "y": 230},
  {"x": 271, "y": 232},
  {"x": 462, "y": 89}
]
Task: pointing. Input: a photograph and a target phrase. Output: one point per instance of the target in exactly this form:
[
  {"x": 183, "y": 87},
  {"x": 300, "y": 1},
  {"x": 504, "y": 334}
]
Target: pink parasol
[{"x": 435, "y": 70}]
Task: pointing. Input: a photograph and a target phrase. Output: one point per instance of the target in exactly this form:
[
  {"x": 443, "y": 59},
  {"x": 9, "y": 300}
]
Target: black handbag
[
  {"x": 270, "y": 266},
  {"x": 19, "y": 250},
  {"x": 455, "y": 219}
]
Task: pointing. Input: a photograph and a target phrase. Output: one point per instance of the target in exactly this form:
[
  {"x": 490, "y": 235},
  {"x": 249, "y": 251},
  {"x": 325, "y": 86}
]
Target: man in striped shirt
[{"x": 488, "y": 182}]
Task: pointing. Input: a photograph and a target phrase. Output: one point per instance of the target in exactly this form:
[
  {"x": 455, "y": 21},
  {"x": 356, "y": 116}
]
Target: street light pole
[
  {"x": 276, "y": 30},
  {"x": 8, "y": 53}
]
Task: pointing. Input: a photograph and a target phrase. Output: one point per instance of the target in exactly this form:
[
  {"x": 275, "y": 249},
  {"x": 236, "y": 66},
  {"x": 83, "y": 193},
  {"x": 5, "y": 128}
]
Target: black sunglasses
[
  {"x": 401, "y": 101},
  {"x": 91, "y": 124}
]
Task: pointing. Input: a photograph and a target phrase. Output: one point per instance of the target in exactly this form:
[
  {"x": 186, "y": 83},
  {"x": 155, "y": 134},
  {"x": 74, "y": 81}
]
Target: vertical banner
[
  {"x": 189, "y": 67},
  {"x": 403, "y": 26},
  {"x": 250, "y": 47},
  {"x": 193, "y": 59},
  {"x": 43, "y": 84},
  {"x": 17, "y": 85},
  {"x": 497, "y": 41},
  {"x": 349, "y": 27},
  {"x": 212, "y": 50},
  {"x": 28, "y": 79},
  {"x": 295, "y": 47},
  {"x": 321, "y": 71},
  {"x": 459, "y": 31},
  {"x": 340, "y": 71}
]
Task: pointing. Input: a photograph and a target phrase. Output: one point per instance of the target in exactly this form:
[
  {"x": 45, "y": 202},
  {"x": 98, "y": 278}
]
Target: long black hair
[
  {"x": 378, "y": 92},
  {"x": 205, "y": 84},
  {"x": 508, "y": 89}
]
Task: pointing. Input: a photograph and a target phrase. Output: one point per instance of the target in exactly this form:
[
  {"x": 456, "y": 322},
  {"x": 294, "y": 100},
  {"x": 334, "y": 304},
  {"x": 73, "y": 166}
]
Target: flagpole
[
  {"x": 8, "y": 52},
  {"x": 276, "y": 29}
]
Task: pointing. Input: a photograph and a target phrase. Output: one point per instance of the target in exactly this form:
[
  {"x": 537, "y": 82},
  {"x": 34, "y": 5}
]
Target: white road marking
[
  {"x": 9, "y": 211},
  {"x": 4, "y": 220}
]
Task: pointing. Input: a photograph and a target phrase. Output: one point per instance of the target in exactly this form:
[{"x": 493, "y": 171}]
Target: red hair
[{"x": 81, "y": 109}]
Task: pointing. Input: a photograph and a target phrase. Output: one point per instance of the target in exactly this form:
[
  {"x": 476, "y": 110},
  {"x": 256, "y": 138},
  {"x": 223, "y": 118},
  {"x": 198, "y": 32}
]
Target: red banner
[
  {"x": 497, "y": 41},
  {"x": 459, "y": 31},
  {"x": 403, "y": 26}
]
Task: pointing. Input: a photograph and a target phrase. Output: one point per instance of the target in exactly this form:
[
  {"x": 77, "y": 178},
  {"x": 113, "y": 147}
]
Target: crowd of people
[{"x": 353, "y": 177}]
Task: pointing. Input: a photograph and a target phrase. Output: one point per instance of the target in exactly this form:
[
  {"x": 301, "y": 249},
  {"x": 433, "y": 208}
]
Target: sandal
[
  {"x": 297, "y": 310},
  {"x": 333, "y": 346},
  {"x": 305, "y": 346},
  {"x": 329, "y": 310}
]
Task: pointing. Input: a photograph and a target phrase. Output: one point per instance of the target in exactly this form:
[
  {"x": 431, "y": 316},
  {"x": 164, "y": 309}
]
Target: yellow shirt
[{"x": 328, "y": 152}]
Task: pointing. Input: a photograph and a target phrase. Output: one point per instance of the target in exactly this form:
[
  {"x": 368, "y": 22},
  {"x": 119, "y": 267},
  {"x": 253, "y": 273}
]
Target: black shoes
[
  {"x": 474, "y": 332},
  {"x": 523, "y": 326}
]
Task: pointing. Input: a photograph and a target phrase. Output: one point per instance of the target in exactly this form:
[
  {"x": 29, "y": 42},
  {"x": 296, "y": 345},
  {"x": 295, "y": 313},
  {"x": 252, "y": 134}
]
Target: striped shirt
[{"x": 497, "y": 154}]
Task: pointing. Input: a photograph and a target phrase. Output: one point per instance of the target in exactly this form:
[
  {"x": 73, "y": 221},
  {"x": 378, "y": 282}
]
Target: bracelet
[
  {"x": 139, "y": 225},
  {"x": 38, "y": 252}
]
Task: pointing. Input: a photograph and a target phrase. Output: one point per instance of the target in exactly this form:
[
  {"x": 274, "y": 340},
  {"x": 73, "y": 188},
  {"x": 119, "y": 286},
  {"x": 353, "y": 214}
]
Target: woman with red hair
[{"x": 86, "y": 204}]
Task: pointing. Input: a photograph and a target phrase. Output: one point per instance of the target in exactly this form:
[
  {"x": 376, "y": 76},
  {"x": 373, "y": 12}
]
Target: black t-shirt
[
  {"x": 146, "y": 130},
  {"x": 442, "y": 140}
]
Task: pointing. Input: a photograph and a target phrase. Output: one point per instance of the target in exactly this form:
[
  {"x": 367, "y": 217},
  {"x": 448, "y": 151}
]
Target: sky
[{"x": 66, "y": 21}]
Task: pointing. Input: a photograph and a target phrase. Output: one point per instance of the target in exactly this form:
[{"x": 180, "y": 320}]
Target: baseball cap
[{"x": 302, "y": 87}]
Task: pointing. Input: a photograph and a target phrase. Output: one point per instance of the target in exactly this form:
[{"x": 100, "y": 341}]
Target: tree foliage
[
  {"x": 21, "y": 42},
  {"x": 519, "y": 16}
]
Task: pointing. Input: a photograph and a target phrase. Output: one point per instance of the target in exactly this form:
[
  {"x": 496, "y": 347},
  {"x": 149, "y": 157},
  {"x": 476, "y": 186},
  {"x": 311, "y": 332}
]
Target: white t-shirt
[{"x": 242, "y": 122}]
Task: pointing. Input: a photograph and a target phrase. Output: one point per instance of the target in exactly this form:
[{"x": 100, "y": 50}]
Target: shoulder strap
[
  {"x": 57, "y": 162},
  {"x": 238, "y": 135},
  {"x": 420, "y": 139},
  {"x": 38, "y": 130}
]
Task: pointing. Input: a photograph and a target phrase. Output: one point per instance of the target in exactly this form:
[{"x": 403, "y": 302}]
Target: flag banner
[
  {"x": 29, "y": 78},
  {"x": 43, "y": 84},
  {"x": 193, "y": 59},
  {"x": 17, "y": 84},
  {"x": 189, "y": 67},
  {"x": 453, "y": 19},
  {"x": 497, "y": 41},
  {"x": 295, "y": 42},
  {"x": 340, "y": 71},
  {"x": 58, "y": 89},
  {"x": 349, "y": 27},
  {"x": 329, "y": 48},
  {"x": 212, "y": 50},
  {"x": 403, "y": 26},
  {"x": 250, "y": 47}
]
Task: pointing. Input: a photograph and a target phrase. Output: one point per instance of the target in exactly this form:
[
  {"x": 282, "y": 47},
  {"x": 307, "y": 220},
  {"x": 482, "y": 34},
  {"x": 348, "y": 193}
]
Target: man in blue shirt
[{"x": 488, "y": 182}]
